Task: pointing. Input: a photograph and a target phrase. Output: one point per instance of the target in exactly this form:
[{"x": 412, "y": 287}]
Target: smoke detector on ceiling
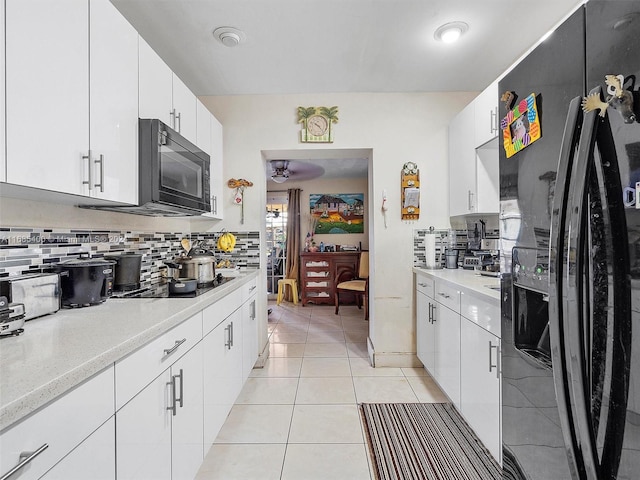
[{"x": 229, "y": 36}]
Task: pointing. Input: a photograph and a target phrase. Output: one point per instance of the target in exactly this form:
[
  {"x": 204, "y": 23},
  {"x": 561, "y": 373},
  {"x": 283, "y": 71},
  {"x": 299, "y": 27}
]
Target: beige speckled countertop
[
  {"x": 57, "y": 352},
  {"x": 468, "y": 279}
]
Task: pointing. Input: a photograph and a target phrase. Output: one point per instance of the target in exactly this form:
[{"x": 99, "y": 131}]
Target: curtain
[{"x": 292, "y": 266}]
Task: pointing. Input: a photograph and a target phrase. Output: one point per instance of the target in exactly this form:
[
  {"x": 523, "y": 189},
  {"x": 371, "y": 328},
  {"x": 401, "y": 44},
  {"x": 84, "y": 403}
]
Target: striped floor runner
[{"x": 424, "y": 441}]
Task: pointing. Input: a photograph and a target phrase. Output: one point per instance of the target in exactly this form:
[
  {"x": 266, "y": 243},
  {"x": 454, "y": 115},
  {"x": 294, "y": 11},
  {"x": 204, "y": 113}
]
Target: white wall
[{"x": 398, "y": 128}]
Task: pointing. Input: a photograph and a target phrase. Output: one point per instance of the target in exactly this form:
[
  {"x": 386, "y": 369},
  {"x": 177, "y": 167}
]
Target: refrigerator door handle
[
  {"x": 558, "y": 265},
  {"x": 620, "y": 364}
]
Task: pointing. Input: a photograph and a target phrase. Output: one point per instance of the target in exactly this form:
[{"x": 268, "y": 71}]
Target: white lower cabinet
[
  {"x": 94, "y": 458},
  {"x": 45, "y": 437},
  {"x": 187, "y": 451},
  {"x": 143, "y": 433},
  {"x": 458, "y": 342},
  {"x": 480, "y": 384},
  {"x": 222, "y": 371},
  {"x": 249, "y": 330},
  {"x": 447, "y": 351}
]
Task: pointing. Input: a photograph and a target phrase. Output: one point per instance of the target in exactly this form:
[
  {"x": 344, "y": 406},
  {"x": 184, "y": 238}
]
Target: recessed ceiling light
[
  {"x": 229, "y": 36},
  {"x": 450, "y": 32}
]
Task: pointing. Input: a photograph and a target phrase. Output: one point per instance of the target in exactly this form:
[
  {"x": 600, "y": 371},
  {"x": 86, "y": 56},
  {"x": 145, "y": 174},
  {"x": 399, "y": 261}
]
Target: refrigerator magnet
[{"x": 521, "y": 126}]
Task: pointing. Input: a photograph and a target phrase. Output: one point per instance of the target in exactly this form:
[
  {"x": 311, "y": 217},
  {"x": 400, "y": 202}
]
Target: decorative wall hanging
[
  {"x": 410, "y": 186},
  {"x": 337, "y": 212},
  {"x": 316, "y": 124},
  {"x": 521, "y": 126},
  {"x": 619, "y": 99},
  {"x": 240, "y": 184}
]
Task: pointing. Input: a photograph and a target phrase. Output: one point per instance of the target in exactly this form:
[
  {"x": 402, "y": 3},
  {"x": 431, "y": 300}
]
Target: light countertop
[
  {"x": 57, "y": 352},
  {"x": 468, "y": 279}
]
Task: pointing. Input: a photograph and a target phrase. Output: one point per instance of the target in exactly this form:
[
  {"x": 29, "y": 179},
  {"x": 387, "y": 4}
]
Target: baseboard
[
  {"x": 397, "y": 360},
  {"x": 262, "y": 357}
]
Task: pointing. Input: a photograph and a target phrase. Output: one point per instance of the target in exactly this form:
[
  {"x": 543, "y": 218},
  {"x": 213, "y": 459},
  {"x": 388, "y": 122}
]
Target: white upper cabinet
[
  {"x": 47, "y": 88},
  {"x": 155, "y": 85},
  {"x": 462, "y": 161},
  {"x": 203, "y": 124},
  {"x": 486, "y": 115},
  {"x": 78, "y": 91},
  {"x": 114, "y": 103},
  {"x": 215, "y": 170},
  {"x": 3, "y": 165},
  {"x": 184, "y": 110},
  {"x": 473, "y": 157},
  {"x": 164, "y": 96}
]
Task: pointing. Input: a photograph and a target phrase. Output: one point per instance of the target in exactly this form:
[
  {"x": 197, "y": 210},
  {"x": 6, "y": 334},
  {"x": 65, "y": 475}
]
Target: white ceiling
[{"x": 330, "y": 46}]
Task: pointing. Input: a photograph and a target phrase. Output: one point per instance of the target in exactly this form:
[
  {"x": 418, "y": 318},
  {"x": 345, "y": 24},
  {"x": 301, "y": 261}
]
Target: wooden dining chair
[{"x": 358, "y": 286}]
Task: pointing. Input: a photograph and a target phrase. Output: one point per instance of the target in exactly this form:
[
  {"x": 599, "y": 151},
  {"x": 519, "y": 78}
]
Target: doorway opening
[{"x": 276, "y": 240}]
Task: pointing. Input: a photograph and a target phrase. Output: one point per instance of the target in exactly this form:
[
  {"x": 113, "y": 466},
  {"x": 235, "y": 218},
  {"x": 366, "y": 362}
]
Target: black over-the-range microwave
[{"x": 173, "y": 174}]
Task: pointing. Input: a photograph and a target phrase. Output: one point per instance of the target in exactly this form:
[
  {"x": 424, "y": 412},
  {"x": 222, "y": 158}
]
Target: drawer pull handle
[
  {"x": 422, "y": 284},
  {"x": 252, "y": 288},
  {"x": 24, "y": 458},
  {"x": 444, "y": 295},
  {"x": 491, "y": 365},
  {"x": 169, "y": 351}
]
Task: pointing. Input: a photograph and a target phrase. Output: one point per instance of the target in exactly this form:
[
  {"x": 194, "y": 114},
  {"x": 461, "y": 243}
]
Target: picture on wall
[{"x": 337, "y": 212}]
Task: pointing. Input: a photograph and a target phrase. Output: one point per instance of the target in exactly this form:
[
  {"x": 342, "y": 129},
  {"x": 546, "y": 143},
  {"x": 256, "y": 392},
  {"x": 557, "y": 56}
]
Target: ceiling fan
[{"x": 283, "y": 170}]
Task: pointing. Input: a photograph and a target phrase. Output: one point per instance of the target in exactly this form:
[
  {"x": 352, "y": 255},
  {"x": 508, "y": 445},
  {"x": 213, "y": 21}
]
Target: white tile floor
[{"x": 297, "y": 418}]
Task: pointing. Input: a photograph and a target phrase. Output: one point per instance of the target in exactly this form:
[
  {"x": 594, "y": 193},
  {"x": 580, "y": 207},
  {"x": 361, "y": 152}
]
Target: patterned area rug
[{"x": 424, "y": 441}]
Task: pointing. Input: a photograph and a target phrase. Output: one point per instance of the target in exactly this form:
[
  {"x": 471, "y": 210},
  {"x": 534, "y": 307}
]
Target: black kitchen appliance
[
  {"x": 173, "y": 174},
  {"x": 570, "y": 359},
  {"x": 127, "y": 271},
  {"x": 12, "y": 317},
  {"x": 164, "y": 290},
  {"x": 85, "y": 281}
]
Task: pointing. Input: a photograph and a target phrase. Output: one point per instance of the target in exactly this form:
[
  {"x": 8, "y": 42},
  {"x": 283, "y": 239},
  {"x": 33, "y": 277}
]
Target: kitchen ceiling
[{"x": 332, "y": 46}]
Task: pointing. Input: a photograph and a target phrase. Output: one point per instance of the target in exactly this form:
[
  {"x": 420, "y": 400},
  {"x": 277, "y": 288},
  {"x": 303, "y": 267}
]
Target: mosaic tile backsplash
[
  {"x": 419, "y": 258},
  {"x": 28, "y": 250}
]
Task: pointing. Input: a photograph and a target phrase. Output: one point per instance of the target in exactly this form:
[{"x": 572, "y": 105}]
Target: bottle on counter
[{"x": 322, "y": 246}]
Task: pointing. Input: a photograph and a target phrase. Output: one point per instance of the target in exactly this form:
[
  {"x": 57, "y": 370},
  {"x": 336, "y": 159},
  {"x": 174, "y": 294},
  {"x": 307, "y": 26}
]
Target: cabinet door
[
  {"x": 95, "y": 458},
  {"x": 249, "y": 337},
  {"x": 488, "y": 178},
  {"x": 215, "y": 170},
  {"x": 480, "y": 384},
  {"x": 184, "y": 103},
  {"x": 486, "y": 115},
  {"x": 3, "y": 163},
  {"x": 447, "y": 351},
  {"x": 47, "y": 94},
  {"x": 203, "y": 124},
  {"x": 187, "y": 430},
  {"x": 113, "y": 103},
  {"x": 143, "y": 433},
  {"x": 222, "y": 372},
  {"x": 154, "y": 85},
  {"x": 62, "y": 425},
  {"x": 425, "y": 331},
  {"x": 462, "y": 163}
]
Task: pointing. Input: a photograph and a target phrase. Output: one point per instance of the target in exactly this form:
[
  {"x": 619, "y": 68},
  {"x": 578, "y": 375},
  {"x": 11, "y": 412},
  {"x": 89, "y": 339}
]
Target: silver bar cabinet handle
[
  {"x": 172, "y": 407},
  {"x": 231, "y": 335},
  {"x": 491, "y": 365},
  {"x": 101, "y": 162},
  {"x": 181, "y": 377},
  {"x": 494, "y": 120},
  {"x": 169, "y": 351},
  {"x": 179, "y": 122},
  {"x": 227, "y": 341},
  {"x": 24, "y": 458},
  {"x": 253, "y": 310},
  {"x": 89, "y": 182},
  {"x": 172, "y": 116}
]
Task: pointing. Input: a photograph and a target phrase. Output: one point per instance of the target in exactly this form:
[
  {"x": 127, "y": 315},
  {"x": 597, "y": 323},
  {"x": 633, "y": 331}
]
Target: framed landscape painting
[{"x": 337, "y": 212}]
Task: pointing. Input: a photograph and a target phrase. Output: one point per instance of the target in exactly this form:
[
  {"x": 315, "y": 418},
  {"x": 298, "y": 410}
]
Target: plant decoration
[
  {"x": 316, "y": 124},
  {"x": 238, "y": 199}
]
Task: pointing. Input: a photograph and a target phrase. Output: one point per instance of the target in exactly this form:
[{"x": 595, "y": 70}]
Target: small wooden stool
[{"x": 294, "y": 289}]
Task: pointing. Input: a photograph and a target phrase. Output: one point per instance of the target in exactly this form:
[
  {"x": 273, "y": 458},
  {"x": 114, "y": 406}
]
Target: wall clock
[{"x": 316, "y": 124}]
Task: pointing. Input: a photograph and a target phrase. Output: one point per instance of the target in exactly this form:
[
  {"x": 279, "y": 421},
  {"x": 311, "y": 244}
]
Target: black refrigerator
[{"x": 570, "y": 241}]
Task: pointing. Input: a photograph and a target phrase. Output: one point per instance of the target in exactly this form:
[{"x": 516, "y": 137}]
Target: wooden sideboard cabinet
[{"x": 320, "y": 272}]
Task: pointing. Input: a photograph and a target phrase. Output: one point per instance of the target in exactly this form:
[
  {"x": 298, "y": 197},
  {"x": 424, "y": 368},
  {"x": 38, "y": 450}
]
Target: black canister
[
  {"x": 127, "y": 271},
  {"x": 85, "y": 281}
]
